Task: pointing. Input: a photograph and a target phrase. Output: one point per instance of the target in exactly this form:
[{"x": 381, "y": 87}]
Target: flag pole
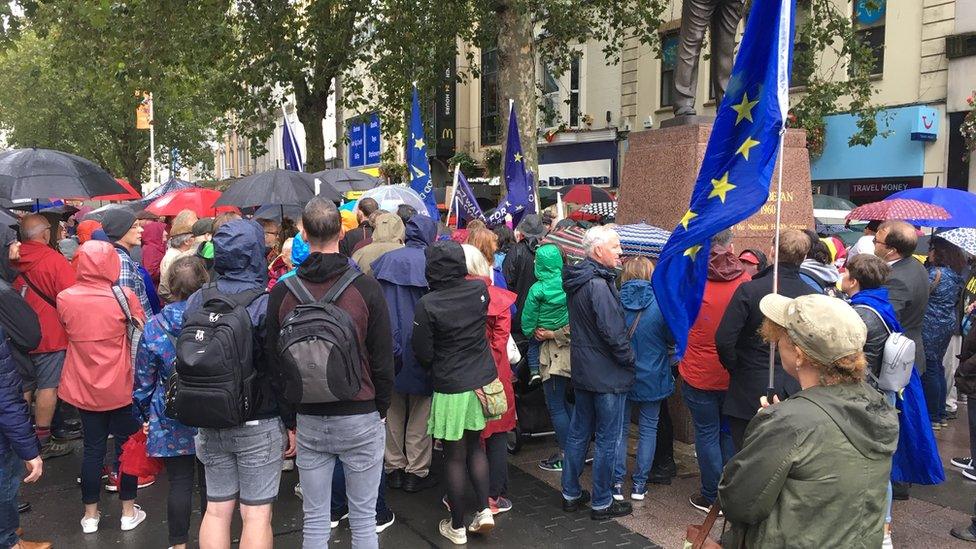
[
  {"x": 771, "y": 389},
  {"x": 152, "y": 143}
]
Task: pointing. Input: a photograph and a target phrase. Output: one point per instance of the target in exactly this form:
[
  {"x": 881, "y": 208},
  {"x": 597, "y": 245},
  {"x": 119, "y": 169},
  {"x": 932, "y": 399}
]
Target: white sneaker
[
  {"x": 298, "y": 491},
  {"x": 128, "y": 523},
  {"x": 457, "y": 536},
  {"x": 482, "y": 522},
  {"x": 90, "y": 525}
]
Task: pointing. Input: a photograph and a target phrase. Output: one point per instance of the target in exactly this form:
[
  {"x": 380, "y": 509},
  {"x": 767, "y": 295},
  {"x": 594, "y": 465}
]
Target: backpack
[
  {"x": 319, "y": 352},
  {"x": 214, "y": 362},
  {"x": 897, "y": 360}
]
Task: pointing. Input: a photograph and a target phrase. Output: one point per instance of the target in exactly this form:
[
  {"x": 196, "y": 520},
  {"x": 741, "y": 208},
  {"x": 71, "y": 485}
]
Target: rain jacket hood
[
  {"x": 387, "y": 236},
  {"x": 826, "y": 273},
  {"x": 97, "y": 263},
  {"x": 239, "y": 253},
  {"x": 545, "y": 304},
  {"x": 153, "y": 247},
  {"x": 299, "y": 251},
  {"x": 405, "y": 266},
  {"x": 575, "y": 276},
  {"x": 445, "y": 264},
  {"x": 548, "y": 263},
  {"x": 636, "y": 295},
  {"x": 421, "y": 231},
  {"x": 723, "y": 265}
]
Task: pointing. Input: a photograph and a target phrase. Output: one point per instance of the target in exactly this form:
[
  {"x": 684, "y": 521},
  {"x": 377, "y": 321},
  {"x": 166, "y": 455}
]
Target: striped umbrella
[
  {"x": 602, "y": 209},
  {"x": 642, "y": 239},
  {"x": 569, "y": 240}
]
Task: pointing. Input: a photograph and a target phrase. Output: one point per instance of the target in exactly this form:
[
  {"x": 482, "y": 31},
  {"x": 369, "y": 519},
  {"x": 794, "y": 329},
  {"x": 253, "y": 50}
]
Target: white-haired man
[{"x": 602, "y": 372}]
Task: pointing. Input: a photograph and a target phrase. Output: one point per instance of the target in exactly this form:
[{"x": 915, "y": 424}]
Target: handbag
[
  {"x": 696, "y": 536},
  {"x": 492, "y": 398},
  {"x": 135, "y": 459},
  {"x": 514, "y": 356},
  {"x": 132, "y": 329}
]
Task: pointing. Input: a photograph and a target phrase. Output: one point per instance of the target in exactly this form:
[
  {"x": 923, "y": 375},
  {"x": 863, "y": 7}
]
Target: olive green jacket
[{"x": 813, "y": 471}]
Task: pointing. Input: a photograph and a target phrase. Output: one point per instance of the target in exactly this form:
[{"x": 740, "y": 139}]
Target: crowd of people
[{"x": 110, "y": 328}]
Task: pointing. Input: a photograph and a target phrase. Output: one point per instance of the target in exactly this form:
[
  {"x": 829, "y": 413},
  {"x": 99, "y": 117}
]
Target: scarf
[{"x": 877, "y": 299}]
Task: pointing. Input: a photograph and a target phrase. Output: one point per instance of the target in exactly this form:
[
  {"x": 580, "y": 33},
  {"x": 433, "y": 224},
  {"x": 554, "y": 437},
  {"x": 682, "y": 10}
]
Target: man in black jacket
[
  {"x": 519, "y": 267},
  {"x": 602, "y": 364},
  {"x": 364, "y": 209},
  {"x": 350, "y": 431},
  {"x": 742, "y": 350}
]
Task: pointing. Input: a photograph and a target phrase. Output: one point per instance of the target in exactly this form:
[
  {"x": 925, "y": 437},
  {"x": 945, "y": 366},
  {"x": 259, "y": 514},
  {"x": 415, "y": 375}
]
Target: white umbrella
[
  {"x": 389, "y": 197},
  {"x": 964, "y": 237}
]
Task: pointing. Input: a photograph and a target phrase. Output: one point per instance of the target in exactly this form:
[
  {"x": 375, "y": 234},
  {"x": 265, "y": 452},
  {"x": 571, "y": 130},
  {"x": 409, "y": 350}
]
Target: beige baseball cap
[{"x": 826, "y": 328}]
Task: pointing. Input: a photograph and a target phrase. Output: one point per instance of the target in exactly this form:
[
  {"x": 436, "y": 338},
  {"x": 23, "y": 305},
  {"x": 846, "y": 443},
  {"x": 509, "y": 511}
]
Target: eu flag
[
  {"x": 417, "y": 163},
  {"x": 289, "y": 147},
  {"x": 520, "y": 199},
  {"x": 734, "y": 179}
]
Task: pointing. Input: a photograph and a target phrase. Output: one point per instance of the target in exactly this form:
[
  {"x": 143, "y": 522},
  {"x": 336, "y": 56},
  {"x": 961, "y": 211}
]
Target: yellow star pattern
[
  {"x": 693, "y": 251},
  {"x": 744, "y": 109},
  {"x": 720, "y": 187},
  {"x": 746, "y": 145},
  {"x": 418, "y": 144},
  {"x": 518, "y": 157},
  {"x": 687, "y": 219}
]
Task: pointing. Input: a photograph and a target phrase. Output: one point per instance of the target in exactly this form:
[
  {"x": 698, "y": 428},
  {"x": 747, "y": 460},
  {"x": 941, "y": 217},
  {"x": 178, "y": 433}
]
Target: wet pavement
[{"x": 536, "y": 519}]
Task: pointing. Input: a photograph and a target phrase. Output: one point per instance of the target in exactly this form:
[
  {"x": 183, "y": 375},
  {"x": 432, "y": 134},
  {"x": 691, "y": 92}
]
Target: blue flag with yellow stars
[
  {"x": 417, "y": 163},
  {"x": 520, "y": 198},
  {"x": 735, "y": 174}
]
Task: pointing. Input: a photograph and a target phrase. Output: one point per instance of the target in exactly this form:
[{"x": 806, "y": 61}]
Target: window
[
  {"x": 550, "y": 98},
  {"x": 869, "y": 18},
  {"x": 803, "y": 59},
  {"x": 574, "y": 90},
  {"x": 669, "y": 56},
  {"x": 490, "y": 125}
]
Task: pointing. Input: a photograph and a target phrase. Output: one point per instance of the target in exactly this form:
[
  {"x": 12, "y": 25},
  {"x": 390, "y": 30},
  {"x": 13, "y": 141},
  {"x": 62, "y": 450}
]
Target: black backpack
[
  {"x": 319, "y": 352},
  {"x": 214, "y": 362}
]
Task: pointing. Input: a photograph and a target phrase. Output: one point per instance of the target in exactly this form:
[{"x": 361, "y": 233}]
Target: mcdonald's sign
[{"x": 445, "y": 115}]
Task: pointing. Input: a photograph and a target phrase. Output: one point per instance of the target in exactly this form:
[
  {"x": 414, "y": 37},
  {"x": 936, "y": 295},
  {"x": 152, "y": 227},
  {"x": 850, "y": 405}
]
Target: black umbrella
[
  {"x": 275, "y": 212},
  {"x": 272, "y": 187},
  {"x": 8, "y": 218},
  {"x": 171, "y": 185},
  {"x": 98, "y": 213},
  {"x": 343, "y": 180},
  {"x": 43, "y": 173}
]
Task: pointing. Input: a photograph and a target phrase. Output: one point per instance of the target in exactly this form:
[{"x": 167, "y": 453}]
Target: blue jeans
[
  {"x": 713, "y": 443},
  {"x": 646, "y": 442},
  {"x": 600, "y": 413},
  {"x": 934, "y": 387},
  {"x": 532, "y": 355},
  {"x": 11, "y": 468},
  {"x": 560, "y": 411},
  {"x": 358, "y": 442},
  {"x": 339, "y": 503}
]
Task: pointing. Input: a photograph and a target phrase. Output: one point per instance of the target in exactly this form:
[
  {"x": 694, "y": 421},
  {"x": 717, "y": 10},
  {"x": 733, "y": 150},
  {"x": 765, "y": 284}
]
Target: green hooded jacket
[
  {"x": 813, "y": 471},
  {"x": 545, "y": 304}
]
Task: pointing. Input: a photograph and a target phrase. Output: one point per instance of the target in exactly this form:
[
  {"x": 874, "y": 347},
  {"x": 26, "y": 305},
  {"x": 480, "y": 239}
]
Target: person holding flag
[{"x": 417, "y": 163}]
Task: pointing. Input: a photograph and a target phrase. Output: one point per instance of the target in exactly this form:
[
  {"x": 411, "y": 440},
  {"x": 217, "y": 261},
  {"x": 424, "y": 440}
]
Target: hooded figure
[
  {"x": 545, "y": 304},
  {"x": 239, "y": 265},
  {"x": 519, "y": 264},
  {"x": 299, "y": 253},
  {"x": 97, "y": 374},
  {"x": 153, "y": 248},
  {"x": 388, "y": 235},
  {"x": 402, "y": 277},
  {"x": 49, "y": 273}
]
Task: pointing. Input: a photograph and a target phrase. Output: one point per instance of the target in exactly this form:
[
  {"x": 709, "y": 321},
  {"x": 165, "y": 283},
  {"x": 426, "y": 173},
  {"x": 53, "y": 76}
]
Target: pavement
[{"x": 536, "y": 519}]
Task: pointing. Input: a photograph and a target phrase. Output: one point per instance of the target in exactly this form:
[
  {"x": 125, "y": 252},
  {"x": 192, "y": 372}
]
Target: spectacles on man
[{"x": 882, "y": 242}]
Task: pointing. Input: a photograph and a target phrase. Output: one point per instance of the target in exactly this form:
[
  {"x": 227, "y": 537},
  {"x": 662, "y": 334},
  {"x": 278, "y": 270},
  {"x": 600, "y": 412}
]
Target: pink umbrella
[
  {"x": 899, "y": 208},
  {"x": 199, "y": 200}
]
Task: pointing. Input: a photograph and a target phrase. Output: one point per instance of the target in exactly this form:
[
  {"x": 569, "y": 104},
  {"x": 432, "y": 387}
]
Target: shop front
[
  {"x": 579, "y": 158},
  {"x": 891, "y": 163}
]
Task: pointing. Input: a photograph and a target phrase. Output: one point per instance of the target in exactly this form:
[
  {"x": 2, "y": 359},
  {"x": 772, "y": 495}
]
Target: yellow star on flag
[
  {"x": 418, "y": 144},
  {"x": 518, "y": 157},
  {"x": 744, "y": 109},
  {"x": 687, "y": 219},
  {"x": 746, "y": 145},
  {"x": 692, "y": 251},
  {"x": 720, "y": 187}
]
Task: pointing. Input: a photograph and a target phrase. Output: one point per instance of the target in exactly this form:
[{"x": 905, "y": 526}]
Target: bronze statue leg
[
  {"x": 725, "y": 23},
  {"x": 696, "y": 15}
]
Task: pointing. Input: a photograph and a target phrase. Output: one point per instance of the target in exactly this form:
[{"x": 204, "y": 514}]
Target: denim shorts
[{"x": 243, "y": 462}]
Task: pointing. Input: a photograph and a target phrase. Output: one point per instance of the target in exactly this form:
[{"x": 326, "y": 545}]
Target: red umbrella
[
  {"x": 129, "y": 194},
  {"x": 584, "y": 194},
  {"x": 899, "y": 208},
  {"x": 569, "y": 240},
  {"x": 198, "y": 199}
]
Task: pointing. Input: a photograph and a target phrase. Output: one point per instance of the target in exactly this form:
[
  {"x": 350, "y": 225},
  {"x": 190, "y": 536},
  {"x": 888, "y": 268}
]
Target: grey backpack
[{"x": 897, "y": 360}]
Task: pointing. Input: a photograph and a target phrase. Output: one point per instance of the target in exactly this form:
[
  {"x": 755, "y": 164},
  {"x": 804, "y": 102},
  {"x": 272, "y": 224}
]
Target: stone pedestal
[
  {"x": 660, "y": 171},
  {"x": 659, "y": 174}
]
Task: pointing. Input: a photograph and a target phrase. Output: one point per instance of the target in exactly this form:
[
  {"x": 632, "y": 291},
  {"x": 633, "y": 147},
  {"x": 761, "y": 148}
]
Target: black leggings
[
  {"x": 465, "y": 458},
  {"x": 179, "y": 504},
  {"x": 496, "y": 447}
]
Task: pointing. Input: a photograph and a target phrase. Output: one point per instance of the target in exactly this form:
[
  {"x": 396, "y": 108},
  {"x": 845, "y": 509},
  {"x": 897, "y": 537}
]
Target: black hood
[
  {"x": 319, "y": 267},
  {"x": 445, "y": 264}
]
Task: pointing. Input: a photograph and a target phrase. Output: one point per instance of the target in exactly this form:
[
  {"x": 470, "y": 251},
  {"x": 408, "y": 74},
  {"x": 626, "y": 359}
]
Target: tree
[{"x": 73, "y": 70}]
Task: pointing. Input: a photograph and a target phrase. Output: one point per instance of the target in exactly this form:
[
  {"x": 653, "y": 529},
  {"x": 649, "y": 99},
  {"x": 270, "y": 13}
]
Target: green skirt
[{"x": 451, "y": 415}]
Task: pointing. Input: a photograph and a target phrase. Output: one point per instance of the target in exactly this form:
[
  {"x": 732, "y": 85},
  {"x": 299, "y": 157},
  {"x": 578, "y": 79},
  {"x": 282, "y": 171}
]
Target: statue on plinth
[{"x": 722, "y": 16}]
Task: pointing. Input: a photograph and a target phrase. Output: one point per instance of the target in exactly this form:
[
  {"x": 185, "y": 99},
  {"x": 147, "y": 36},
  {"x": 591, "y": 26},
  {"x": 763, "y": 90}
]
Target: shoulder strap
[
  {"x": 340, "y": 285},
  {"x": 876, "y": 313},
  {"x": 299, "y": 290},
  {"x": 633, "y": 325},
  {"x": 706, "y": 527},
  {"x": 39, "y": 293},
  {"x": 123, "y": 302},
  {"x": 935, "y": 283}
]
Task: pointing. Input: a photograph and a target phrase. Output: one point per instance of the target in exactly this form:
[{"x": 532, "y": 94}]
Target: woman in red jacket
[
  {"x": 98, "y": 375},
  {"x": 495, "y": 434}
]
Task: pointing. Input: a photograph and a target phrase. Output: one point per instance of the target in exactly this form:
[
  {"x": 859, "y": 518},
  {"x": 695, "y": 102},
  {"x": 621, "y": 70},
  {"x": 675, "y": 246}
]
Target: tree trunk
[
  {"x": 516, "y": 77},
  {"x": 312, "y": 107}
]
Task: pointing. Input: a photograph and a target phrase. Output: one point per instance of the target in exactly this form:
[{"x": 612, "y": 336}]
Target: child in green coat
[{"x": 545, "y": 305}]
